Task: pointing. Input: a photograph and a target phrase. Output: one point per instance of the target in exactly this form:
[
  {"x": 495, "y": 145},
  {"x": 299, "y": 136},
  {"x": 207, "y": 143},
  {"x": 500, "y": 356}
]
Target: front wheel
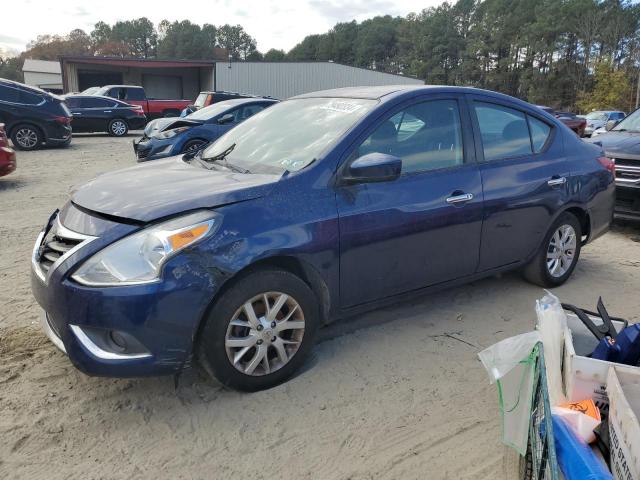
[
  {"x": 558, "y": 255},
  {"x": 260, "y": 331},
  {"x": 192, "y": 146},
  {"x": 118, "y": 127}
]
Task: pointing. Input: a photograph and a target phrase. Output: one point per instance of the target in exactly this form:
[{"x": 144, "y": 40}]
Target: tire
[
  {"x": 118, "y": 127},
  {"x": 26, "y": 137},
  {"x": 171, "y": 113},
  {"x": 542, "y": 270},
  {"x": 216, "y": 352},
  {"x": 192, "y": 145}
]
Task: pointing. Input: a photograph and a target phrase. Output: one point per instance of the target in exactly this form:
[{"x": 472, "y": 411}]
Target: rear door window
[{"x": 504, "y": 131}]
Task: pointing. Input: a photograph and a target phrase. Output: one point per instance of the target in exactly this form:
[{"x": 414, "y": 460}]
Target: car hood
[
  {"x": 617, "y": 143},
  {"x": 162, "y": 124},
  {"x": 167, "y": 187}
]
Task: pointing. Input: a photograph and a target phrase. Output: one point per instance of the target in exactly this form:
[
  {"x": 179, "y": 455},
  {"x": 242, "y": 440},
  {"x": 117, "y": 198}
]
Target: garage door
[{"x": 166, "y": 87}]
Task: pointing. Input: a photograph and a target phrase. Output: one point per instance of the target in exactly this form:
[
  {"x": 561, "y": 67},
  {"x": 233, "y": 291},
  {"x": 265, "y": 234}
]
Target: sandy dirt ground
[{"x": 397, "y": 393}]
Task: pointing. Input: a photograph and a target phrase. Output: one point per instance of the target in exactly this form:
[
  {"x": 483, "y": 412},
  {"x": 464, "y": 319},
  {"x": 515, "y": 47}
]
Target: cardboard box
[
  {"x": 623, "y": 388},
  {"x": 585, "y": 377}
]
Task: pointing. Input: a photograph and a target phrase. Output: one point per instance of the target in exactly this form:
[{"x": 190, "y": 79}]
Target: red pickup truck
[{"x": 134, "y": 95}]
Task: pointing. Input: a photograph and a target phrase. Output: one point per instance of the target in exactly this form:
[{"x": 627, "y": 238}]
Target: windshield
[
  {"x": 90, "y": 90},
  {"x": 630, "y": 123},
  {"x": 211, "y": 111},
  {"x": 596, "y": 116},
  {"x": 289, "y": 135}
]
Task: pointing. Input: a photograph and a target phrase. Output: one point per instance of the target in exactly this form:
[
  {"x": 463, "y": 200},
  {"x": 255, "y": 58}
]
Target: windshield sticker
[{"x": 341, "y": 106}]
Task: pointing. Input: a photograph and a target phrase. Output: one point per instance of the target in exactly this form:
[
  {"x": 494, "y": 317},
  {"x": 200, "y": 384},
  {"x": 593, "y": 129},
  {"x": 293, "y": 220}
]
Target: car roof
[
  {"x": 121, "y": 86},
  {"x": 240, "y": 101},
  {"x": 392, "y": 91}
]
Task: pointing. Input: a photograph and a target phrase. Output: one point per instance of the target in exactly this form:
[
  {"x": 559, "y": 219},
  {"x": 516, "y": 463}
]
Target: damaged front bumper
[{"x": 127, "y": 331}]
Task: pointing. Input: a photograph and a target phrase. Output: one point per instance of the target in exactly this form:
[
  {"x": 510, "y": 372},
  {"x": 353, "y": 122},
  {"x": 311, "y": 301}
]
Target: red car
[
  {"x": 575, "y": 123},
  {"x": 7, "y": 154},
  {"x": 135, "y": 95}
]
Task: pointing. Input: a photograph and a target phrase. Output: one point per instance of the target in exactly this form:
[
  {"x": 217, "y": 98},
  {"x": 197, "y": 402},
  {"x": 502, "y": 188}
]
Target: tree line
[{"x": 568, "y": 54}]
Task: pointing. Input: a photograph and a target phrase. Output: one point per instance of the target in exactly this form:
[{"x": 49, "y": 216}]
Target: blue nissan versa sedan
[{"x": 318, "y": 207}]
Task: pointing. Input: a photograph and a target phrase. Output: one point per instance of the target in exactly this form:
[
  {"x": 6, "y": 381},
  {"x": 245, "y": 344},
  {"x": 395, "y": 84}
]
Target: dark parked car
[
  {"x": 571, "y": 120},
  {"x": 319, "y": 207},
  {"x": 622, "y": 143},
  {"x": 165, "y": 137},
  {"x": 92, "y": 113},
  {"x": 33, "y": 117},
  {"x": 7, "y": 154}
]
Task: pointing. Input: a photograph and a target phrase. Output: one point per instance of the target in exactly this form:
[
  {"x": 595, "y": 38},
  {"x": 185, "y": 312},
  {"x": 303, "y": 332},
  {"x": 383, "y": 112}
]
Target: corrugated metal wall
[{"x": 282, "y": 80}]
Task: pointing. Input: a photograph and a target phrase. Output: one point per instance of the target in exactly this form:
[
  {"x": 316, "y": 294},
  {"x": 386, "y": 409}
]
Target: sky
[{"x": 273, "y": 23}]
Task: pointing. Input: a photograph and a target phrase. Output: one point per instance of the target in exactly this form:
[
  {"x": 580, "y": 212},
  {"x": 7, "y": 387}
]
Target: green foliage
[
  {"x": 610, "y": 91},
  {"x": 544, "y": 51},
  {"x": 561, "y": 53}
]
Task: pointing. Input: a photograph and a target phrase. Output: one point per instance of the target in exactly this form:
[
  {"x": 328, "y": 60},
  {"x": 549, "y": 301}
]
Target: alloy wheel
[
  {"x": 26, "y": 138},
  {"x": 193, "y": 147},
  {"x": 561, "y": 251},
  {"x": 265, "y": 333},
  {"x": 118, "y": 128}
]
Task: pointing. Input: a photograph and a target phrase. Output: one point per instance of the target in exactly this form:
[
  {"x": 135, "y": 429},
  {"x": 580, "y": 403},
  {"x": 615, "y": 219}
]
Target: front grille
[
  {"x": 143, "y": 152},
  {"x": 54, "y": 246},
  {"x": 627, "y": 171}
]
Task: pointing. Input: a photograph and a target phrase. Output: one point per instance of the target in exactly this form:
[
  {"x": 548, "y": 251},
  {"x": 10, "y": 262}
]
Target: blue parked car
[
  {"x": 165, "y": 137},
  {"x": 319, "y": 207}
]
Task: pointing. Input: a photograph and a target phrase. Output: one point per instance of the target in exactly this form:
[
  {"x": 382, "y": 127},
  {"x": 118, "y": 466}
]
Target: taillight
[
  {"x": 608, "y": 163},
  {"x": 62, "y": 120},
  {"x": 137, "y": 109}
]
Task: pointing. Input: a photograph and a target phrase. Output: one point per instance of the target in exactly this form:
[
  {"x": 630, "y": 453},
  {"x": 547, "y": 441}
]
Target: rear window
[
  {"x": 134, "y": 94},
  {"x": 8, "y": 94},
  {"x": 503, "y": 130},
  {"x": 17, "y": 95}
]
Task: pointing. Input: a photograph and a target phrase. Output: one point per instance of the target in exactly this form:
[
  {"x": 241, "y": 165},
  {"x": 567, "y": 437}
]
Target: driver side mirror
[
  {"x": 228, "y": 118},
  {"x": 610, "y": 124},
  {"x": 373, "y": 167}
]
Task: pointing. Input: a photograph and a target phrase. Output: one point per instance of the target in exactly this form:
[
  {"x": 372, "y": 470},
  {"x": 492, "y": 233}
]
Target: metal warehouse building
[
  {"x": 171, "y": 79},
  {"x": 286, "y": 79},
  {"x": 43, "y": 74}
]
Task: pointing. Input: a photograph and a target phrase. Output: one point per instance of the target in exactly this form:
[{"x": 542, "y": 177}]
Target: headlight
[
  {"x": 138, "y": 258},
  {"x": 170, "y": 133}
]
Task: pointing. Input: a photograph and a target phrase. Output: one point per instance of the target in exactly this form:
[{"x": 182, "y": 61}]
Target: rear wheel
[
  {"x": 558, "y": 255},
  {"x": 260, "y": 331},
  {"x": 26, "y": 137},
  {"x": 118, "y": 127}
]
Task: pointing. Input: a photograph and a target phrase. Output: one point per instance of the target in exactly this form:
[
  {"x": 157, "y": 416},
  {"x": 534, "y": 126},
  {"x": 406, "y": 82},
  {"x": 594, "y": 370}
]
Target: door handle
[
  {"x": 557, "y": 181},
  {"x": 465, "y": 197},
  {"x": 107, "y": 111},
  {"x": 76, "y": 113}
]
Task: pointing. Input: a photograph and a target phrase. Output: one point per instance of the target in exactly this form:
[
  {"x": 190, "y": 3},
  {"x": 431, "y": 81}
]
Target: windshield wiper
[{"x": 222, "y": 157}]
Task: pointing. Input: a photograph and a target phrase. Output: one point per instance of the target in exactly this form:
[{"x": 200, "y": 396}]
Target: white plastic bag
[
  {"x": 552, "y": 322},
  {"x": 511, "y": 364},
  {"x": 582, "y": 424}
]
